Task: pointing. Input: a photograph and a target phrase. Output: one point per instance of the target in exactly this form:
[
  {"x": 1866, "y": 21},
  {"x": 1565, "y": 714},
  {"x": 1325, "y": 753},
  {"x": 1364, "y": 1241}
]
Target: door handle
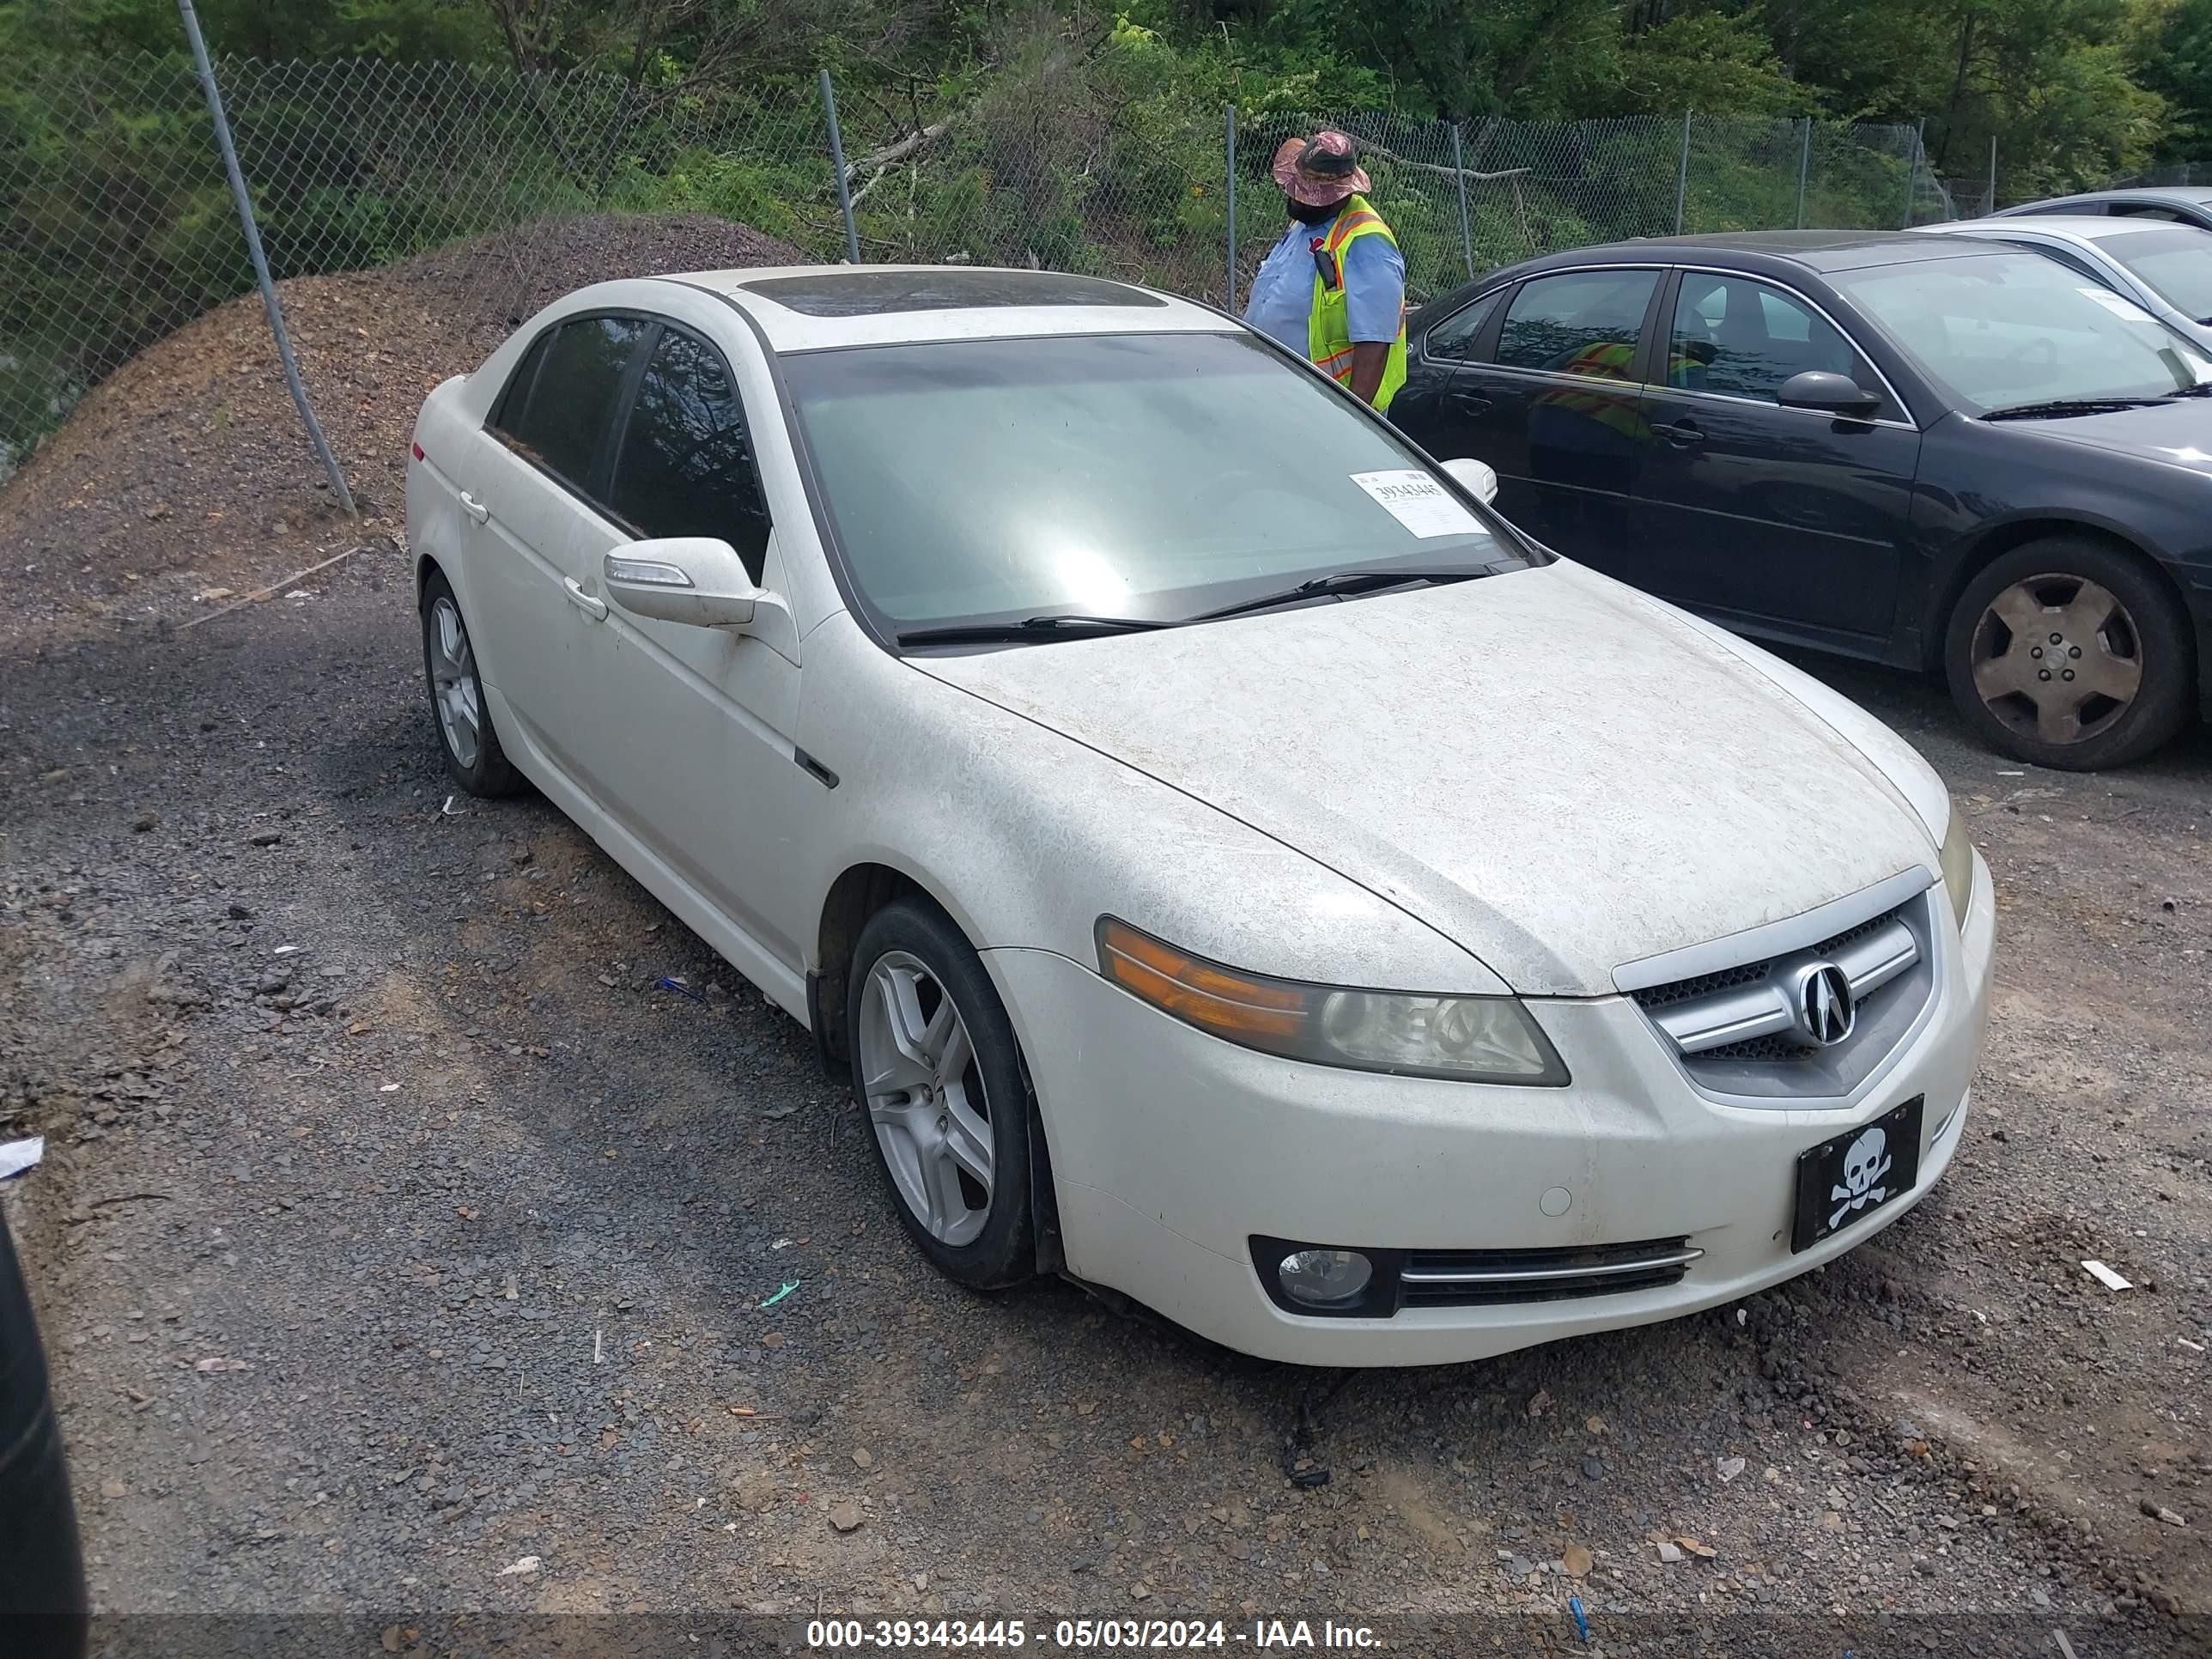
[
  {"x": 1681, "y": 434},
  {"x": 474, "y": 508},
  {"x": 595, "y": 609},
  {"x": 1471, "y": 403}
]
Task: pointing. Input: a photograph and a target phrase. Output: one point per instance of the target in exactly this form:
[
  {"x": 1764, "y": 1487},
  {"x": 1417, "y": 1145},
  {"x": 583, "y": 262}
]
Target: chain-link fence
[{"x": 116, "y": 225}]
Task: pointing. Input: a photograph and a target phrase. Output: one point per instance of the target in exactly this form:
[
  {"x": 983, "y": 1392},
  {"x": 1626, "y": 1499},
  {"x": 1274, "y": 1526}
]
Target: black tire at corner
[
  {"x": 494, "y": 774},
  {"x": 1005, "y": 1253},
  {"x": 2162, "y": 704}
]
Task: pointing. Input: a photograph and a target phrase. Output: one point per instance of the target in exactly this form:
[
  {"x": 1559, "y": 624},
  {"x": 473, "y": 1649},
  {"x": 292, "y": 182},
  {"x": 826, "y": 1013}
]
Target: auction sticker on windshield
[
  {"x": 2118, "y": 304},
  {"x": 1418, "y": 501}
]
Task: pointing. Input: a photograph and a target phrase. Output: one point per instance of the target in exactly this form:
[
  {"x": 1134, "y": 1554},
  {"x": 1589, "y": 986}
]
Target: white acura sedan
[{"x": 1234, "y": 866}]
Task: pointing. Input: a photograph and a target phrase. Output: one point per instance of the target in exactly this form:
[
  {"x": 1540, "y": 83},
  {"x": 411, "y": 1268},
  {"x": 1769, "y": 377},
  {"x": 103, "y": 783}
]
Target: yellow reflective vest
[{"x": 1329, "y": 328}]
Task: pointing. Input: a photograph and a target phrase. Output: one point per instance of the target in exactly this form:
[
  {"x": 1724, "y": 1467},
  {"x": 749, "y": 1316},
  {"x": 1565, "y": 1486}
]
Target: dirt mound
[{"x": 187, "y": 470}]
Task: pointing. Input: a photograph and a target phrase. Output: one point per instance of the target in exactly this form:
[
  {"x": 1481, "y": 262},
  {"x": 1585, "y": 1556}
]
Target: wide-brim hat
[{"x": 1320, "y": 171}]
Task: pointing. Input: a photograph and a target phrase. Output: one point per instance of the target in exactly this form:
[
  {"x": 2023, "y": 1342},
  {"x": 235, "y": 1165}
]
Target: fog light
[{"x": 1325, "y": 1279}]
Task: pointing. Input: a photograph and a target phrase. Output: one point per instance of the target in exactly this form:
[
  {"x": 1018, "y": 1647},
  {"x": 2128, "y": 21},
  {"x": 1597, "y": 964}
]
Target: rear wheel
[
  {"x": 936, "y": 1067},
  {"x": 472, "y": 748},
  {"x": 2071, "y": 654}
]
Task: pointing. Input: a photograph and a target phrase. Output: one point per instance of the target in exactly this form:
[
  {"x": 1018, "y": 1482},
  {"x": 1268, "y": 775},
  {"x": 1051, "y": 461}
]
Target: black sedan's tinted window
[
  {"x": 1454, "y": 337},
  {"x": 1584, "y": 322},
  {"x": 1745, "y": 339},
  {"x": 574, "y": 395}
]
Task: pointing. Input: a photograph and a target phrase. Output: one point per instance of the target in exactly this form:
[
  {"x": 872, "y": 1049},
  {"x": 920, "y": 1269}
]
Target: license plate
[{"x": 1849, "y": 1178}]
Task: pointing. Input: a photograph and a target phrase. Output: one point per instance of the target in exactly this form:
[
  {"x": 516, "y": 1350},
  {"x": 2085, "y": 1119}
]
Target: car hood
[
  {"x": 1557, "y": 773},
  {"x": 2176, "y": 433}
]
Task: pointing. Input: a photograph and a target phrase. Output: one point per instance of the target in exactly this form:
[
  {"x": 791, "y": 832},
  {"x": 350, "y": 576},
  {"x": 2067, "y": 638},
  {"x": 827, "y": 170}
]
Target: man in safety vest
[{"x": 1334, "y": 288}]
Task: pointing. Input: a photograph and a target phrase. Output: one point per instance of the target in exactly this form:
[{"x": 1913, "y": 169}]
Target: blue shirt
[{"x": 1282, "y": 292}]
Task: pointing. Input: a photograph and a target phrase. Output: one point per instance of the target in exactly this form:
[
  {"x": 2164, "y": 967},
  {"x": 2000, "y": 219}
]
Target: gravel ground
[{"x": 396, "y": 1227}]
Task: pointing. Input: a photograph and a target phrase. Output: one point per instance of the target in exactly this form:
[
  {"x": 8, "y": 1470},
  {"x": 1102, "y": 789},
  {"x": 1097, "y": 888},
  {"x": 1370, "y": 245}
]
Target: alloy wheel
[
  {"x": 924, "y": 1097},
  {"x": 2057, "y": 658},
  {"x": 453, "y": 683}
]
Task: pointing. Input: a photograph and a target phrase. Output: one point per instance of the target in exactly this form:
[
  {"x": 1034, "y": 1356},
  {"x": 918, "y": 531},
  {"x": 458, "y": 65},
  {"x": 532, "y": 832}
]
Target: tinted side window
[
  {"x": 2063, "y": 207},
  {"x": 1741, "y": 337},
  {"x": 1454, "y": 338},
  {"x": 686, "y": 464},
  {"x": 507, "y": 413},
  {"x": 575, "y": 395},
  {"x": 1583, "y": 323},
  {"x": 2149, "y": 210}
]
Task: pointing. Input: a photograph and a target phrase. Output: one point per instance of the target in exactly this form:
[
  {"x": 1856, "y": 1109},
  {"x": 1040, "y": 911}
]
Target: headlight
[
  {"x": 1957, "y": 865},
  {"x": 1475, "y": 1039}
]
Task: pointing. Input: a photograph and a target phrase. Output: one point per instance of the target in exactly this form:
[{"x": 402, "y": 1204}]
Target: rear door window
[
  {"x": 563, "y": 424},
  {"x": 685, "y": 465},
  {"x": 1583, "y": 322},
  {"x": 515, "y": 397}
]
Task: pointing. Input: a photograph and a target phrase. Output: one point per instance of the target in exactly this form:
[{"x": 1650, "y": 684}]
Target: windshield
[
  {"x": 2175, "y": 263},
  {"x": 1134, "y": 475},
  {"x": 2004, "y": 328}
]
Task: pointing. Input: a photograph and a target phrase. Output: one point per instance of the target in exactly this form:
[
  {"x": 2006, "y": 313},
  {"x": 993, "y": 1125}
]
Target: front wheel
[
  {"x": 466, "y": 736},
  {"x": 936, "y": 1067},
  {"x": 2071, "y": 654}
]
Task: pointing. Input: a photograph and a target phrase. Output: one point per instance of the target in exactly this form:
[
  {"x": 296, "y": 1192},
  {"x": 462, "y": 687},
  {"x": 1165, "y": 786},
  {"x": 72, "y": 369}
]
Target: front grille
[
  {"x": 1738, "y": 1029},
  {"x": 1759, "y": 1048},
  {"x": 1688, "y": 990},
  {"x": 1475, "y": 1279}
]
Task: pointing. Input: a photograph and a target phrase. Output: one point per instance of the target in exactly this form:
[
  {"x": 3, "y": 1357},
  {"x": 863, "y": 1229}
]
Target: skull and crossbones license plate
[{"x": 1848, "y": 1177}]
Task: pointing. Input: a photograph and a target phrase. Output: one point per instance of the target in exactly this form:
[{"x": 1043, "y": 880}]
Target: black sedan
[{"x": 1927, "y": 451}]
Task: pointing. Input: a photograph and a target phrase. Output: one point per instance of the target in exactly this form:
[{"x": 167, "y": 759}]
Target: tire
[
  {"x": 457, "y": 697},
  {"x": 931, "y": 1124},
  {"x": 2071, "y": 654}
]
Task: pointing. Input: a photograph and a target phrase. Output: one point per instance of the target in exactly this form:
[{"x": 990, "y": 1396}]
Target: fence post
[
  {"x": 837, "y": 160},
  {"x": 1990, "y": 206},
  {"x": 1804, "y": 166},
  {"x": 1459, "y": 173},
  {"x": 1912, "y": 172},
  {"x": 1682, "y": 174},
  {"x": 1229, "y": 162},
  {"x": 269, "y": 301}
]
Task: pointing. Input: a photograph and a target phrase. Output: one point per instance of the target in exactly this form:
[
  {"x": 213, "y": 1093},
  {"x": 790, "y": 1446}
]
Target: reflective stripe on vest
[{"x": 1328, "y": 327}]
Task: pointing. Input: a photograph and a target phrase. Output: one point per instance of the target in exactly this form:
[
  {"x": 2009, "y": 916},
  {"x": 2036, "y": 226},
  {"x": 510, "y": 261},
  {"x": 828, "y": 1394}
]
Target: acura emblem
[{"x": 1825, "y": 1012}]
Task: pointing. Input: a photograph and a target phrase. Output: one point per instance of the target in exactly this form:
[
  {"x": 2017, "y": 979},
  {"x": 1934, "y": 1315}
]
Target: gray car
[
  {"x": 2178, "y": 204},
  {"x": 2164, "y": 267}
]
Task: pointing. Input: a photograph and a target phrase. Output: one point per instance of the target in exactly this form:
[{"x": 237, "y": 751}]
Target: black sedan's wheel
[
  {"x": 466, "y": 736},
  {"x": 2071, "y": 654},
  {"x": 936, "y": 1068}
]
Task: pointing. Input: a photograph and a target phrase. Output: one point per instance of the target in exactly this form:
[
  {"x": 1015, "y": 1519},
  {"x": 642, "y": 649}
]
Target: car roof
[
  {"x": 819, "y": 307},
  {"x": 2196, "y": 195},
  {"x": 1756, "y": 250},
  {"x": 2077, "y": 227}
]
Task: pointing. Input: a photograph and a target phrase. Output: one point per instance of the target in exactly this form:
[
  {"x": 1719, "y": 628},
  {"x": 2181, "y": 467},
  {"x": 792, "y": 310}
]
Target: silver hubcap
[
  {"x": 453, "y": 683},
  {"x": 926, "y": 1097},
  {"x": 2057, "y": 659}
]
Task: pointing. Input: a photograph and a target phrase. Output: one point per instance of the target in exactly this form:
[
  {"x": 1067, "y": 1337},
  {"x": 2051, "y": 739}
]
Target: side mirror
[
  {"x": 694, "y": 579},
  {"x": 1480, "y": 476},
  {"x": 1829, "y": 394}
]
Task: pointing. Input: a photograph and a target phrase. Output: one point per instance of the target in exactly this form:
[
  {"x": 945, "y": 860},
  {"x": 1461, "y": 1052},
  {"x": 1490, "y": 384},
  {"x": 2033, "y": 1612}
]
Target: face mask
[{"x": 1313, "y": 216}]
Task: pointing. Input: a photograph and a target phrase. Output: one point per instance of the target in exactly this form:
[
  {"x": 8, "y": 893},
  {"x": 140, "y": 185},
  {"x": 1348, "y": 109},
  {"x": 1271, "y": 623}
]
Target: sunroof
[{"x": 876, "y": 293}]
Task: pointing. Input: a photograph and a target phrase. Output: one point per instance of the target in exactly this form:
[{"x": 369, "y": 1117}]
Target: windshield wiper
[
  {"x": 2058, "y": 408},
  {"x": 2202, "y": 389},
  {"x": 1345, "y": 582},
  {"x": 1031, "y": 628}
]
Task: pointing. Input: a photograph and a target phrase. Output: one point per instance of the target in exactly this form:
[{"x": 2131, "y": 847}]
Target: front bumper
[{"x": 1171, "y": 1150}]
